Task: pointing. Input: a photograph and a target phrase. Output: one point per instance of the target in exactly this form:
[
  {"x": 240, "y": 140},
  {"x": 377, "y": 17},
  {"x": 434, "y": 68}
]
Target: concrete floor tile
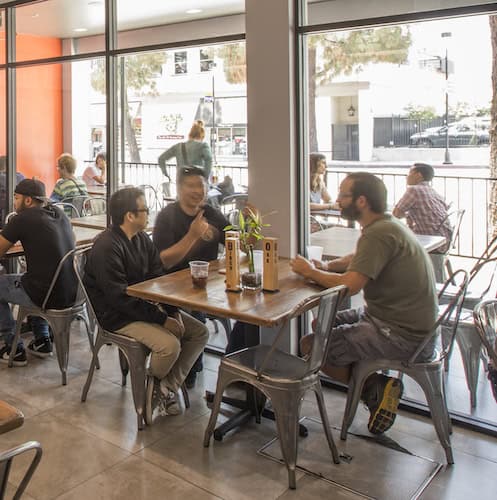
[
  {"x": 133, "y": 479},
  {"x": 70, "y": 455}
]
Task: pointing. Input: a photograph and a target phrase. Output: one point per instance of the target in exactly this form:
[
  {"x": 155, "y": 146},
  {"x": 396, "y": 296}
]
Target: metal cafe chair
[
  {"x": 94, "y": 205},
  {"x": 59, "y": 320},
  {"x": 284, "y": 378},
  {"x": 6, "y": 459},
  {"x": 78, "y": 201},
  {"x": 153, "y": 201},
  {"x": 428, "y": 374},
  {"x": 69, "y": 209},
  {"x": 485, "y": 315},
  {"x": 132, "y": 354}
]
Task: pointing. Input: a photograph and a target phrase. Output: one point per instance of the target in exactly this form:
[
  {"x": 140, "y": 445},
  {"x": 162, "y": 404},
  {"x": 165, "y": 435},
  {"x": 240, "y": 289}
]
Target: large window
[{"x": 380, "y": 99}]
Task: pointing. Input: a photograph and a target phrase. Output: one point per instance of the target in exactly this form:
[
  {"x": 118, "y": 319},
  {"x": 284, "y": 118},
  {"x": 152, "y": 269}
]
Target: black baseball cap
[{"x": 33, "y": 188}]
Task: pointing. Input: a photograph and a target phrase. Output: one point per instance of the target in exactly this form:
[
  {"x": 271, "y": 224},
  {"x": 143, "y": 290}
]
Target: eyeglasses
[{"x": 147, "y": 210}]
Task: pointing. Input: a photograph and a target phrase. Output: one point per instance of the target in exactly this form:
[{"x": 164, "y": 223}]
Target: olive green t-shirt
[{"x": 401, "y": 287}]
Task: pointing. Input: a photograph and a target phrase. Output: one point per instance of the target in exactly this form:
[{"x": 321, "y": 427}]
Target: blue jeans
[{"x": 12, "y": 291}]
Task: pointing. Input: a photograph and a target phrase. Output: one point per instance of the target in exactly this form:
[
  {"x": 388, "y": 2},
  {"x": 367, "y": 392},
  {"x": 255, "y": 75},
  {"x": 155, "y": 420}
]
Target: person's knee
[
  {"x": 170, "y": 348},
  {"x": 306, "y": 344}
]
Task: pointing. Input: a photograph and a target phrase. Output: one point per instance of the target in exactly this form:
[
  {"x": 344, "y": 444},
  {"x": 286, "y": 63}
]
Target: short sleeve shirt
[
  {"x": 172, "y": 224},
  {"x": 46, "y": 236},
  {"x": 401, "y": 287},
  {"x": 89, "y": 174},
  {"x": 425, "y": 210}
]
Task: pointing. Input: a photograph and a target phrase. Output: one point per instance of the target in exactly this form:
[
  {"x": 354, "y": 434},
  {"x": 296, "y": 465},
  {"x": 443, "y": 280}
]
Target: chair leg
[
  {"x": 223, "y": 380},
  {"x": 61, "y": 329},
  {"x": 353, "y": 398},
  {"x": 123, "y": 363},
  {"x": 137, "y": 360},
  {"x": 20, "y": 318},
  {"x": 186, "y": 397},
  {"x": 98, "y": 344},
  {"x": 432, "y": 385},
  {"x": 325, "y": 421},
  {"x": 89, "y": 333},
  {"x": 286, "y": 410},
  {"x": 469, "y": 344}
]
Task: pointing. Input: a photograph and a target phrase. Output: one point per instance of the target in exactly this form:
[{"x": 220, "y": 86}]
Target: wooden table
[
  {"x": 10, "y": 417},
  {"x": 83, "y": 236},
  {"x": 267, "y": 309},
  {"x": 341, "y": 241},
  {"x": 100, "y": 190},
  {"x": 100, "y": 221},
  {"x": 260, "y": 309}
]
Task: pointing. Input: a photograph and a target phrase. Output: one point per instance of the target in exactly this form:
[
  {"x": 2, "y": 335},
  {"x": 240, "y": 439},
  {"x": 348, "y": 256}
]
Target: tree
[
  {"x": 493, "y": 128},
  {"x": 234, "y": 62},
  {"x": 418, "y": 112},
  {"x": 348, "y": 52},
  {"x": 140, "y": 74}
]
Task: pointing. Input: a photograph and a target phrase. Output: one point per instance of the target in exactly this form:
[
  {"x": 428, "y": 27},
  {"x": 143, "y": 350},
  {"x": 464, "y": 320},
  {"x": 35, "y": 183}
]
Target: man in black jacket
[{"x": 124, "y": 255}]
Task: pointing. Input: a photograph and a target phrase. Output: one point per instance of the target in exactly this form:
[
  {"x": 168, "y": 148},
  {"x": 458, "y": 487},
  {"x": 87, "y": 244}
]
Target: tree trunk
[
  {"x": 493, "y": 129},
  {"x": 130, "y": 135},
  {"x": 313, "y": 137}
]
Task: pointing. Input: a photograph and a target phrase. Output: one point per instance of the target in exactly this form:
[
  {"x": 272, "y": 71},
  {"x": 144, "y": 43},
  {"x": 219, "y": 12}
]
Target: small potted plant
[{"x": 249, "y": 227}]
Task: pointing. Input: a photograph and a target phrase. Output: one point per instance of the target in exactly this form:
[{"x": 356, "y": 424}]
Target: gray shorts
[{"x": 357, "y": 336}]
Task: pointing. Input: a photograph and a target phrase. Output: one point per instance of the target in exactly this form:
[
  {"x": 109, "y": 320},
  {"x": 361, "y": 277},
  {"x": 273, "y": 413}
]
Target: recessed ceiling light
[
  {"x": 80, "y": 30},
  {"x": 95, "y": 2},
  {"x": 35, "y": 15},
  {"x": 194, "y": 11}
]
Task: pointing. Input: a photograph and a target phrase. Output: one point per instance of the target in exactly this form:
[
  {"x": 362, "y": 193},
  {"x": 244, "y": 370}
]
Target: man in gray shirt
[{"x": 397, "y": 278}]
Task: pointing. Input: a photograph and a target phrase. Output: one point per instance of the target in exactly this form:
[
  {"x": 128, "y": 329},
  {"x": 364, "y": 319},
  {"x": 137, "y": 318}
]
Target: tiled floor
[{"x": 93, "y": 450}]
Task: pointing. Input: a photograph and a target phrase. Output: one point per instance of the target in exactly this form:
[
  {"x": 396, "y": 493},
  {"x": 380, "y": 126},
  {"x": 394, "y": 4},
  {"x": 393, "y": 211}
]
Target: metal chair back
[
  {"x": 94, "y": 206},
  {"x": 69, "y": 209},
  {"x": 152, "y": 200},
  {"x": 485, "y": 317},
  {"x": 78, "y": 201},
  {"x": 6, "y": 459}
]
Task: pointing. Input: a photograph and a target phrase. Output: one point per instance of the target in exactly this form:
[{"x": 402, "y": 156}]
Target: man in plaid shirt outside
[{"x": 425, "y": 210}]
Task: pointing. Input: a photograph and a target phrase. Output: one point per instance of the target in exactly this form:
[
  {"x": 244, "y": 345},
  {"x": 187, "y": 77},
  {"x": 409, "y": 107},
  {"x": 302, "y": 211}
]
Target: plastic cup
[
  {"x": 199, "y": 270},
  {"x": 258, "y": 259},
  {"x": 314, "y": 252}
]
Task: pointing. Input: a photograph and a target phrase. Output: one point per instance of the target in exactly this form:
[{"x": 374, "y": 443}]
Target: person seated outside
[
  {"x": 124, "y": 255},
  {"x": 425, "y": 210},
  {"x": 398, "y": 281},
  {"x": 319, "y": 197},
  {"x": 192, "y": 152},
  {"x": 95, "y": 175},
  {"x": 187, "y": 230},
  {"x": 68, "y": 185},
  {"x": 46, "y": 236},
  {"x": 3, "y": 187}
]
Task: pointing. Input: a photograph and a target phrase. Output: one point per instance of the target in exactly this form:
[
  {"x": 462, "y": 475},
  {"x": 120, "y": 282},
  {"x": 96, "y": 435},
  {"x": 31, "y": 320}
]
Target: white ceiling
[{"x": 59, "y": 18}]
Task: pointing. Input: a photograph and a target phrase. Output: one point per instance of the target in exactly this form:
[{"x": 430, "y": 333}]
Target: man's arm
[
  {"x": 5, "y": 244},
  {"x": 177, "y": 252},
  {"x": 353, "y": 280},
  {"x": 404, "y": 204},
  {"x": 339, "y": 265}
]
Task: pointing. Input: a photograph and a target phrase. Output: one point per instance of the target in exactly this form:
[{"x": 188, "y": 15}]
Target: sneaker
[
  {"x": 171, "y": 404},
  {"x": 382, "y": 399},
  {"x": 492, "y": 376},
  {"x": 19, "y": 357},
  {"x": 41, "y": 348},
  {"x": 153, "y": 401},
  {"x": 191, "y": 379}
]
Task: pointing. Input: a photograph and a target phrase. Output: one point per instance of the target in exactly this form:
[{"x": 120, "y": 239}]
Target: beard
[
  {"x": 22, "y": 206},
  {"x": 351, "y": 212}
]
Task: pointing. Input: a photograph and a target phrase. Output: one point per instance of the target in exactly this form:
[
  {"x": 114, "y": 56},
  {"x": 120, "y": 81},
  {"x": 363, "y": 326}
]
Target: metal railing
[{"x": 468, "y": 193}]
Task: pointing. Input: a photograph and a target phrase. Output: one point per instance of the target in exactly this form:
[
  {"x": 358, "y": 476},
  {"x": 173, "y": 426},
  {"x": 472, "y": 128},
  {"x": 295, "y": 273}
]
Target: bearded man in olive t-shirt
[{"x": 398, "y": 281}]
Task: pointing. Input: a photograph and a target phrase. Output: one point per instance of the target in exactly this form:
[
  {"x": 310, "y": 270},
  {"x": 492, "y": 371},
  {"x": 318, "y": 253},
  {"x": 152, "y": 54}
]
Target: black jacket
[{"x": 114, "y": 263}]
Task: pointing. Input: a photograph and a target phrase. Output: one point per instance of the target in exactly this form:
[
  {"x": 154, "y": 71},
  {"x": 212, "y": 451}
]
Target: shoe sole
[
  {"x": 15, "y": 363},
  {"x": 38, "y": 354},
  {"x": 384, "y": 416}
]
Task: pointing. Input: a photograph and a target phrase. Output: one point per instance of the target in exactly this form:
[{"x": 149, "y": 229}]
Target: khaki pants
[{"x": 171, "y": 358}]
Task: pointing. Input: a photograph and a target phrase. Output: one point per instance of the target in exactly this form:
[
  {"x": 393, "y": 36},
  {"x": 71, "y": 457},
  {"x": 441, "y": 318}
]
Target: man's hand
[
  {"x": 199, "y": 226},
  {"x": 319, "y": 264},
  {"x": 174, "y": 324},
  {"x": 302, "y": 266}
]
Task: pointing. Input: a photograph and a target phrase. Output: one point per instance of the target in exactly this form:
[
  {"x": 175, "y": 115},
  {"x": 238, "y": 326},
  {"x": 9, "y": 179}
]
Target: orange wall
[{"x": 39, "y": 109}]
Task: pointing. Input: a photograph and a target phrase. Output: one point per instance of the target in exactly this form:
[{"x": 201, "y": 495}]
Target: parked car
[{"x": 460, "y": 134}]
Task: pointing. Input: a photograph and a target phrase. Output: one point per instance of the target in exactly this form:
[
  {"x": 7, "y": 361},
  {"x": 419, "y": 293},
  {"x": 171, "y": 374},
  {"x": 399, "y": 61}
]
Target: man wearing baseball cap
[{"x": 46, "y": 236}]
